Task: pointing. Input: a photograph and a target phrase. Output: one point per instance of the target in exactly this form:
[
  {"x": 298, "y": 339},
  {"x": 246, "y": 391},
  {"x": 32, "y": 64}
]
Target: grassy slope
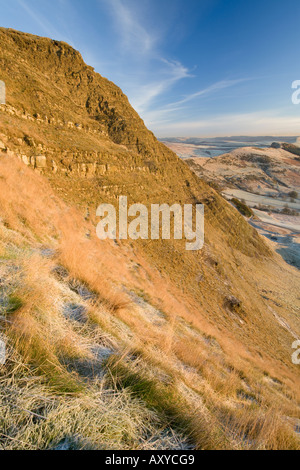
[{"x": 210, "y": 352}]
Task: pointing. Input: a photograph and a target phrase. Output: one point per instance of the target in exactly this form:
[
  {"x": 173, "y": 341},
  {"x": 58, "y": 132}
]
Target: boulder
[
  {"x": 101, "y": 169},
  {"x": 91, "y": 169},
  {"x": 25, "y": 159},
  {"x": 54, "y": 167}
]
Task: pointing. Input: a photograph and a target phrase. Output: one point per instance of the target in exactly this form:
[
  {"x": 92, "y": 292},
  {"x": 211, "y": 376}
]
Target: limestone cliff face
[{"x": 50, "y": 81}]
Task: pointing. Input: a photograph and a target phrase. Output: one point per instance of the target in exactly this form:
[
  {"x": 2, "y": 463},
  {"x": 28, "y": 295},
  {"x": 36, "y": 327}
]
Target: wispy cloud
[
  {"x": 133, "y": 33},
  {"x": 139, "y": 42},
  {"x": 169, "y": 113},
  {"x": 43, "y": 23},
  {"x": 172, "y": 73},
  {"x": 141, "y": 48},
  {"x": 214, "y": 88}
]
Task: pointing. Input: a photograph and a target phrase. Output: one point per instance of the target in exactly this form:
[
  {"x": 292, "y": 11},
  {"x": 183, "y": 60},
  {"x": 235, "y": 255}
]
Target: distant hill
[{"x": 215, "y": 146}]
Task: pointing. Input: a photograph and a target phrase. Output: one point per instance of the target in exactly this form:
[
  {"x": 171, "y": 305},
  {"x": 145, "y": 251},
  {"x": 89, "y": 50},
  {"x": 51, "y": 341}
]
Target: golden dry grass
[{"x": 170, "y": 368}]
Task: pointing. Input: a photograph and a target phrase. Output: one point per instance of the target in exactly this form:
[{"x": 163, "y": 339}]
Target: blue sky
[{"x": 189, "y": 67}]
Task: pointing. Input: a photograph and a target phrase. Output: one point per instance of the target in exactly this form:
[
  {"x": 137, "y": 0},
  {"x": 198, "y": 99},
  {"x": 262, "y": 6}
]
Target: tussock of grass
[
  {"x": 32, "y": 417},
  {"x": 257, "y": 429}
]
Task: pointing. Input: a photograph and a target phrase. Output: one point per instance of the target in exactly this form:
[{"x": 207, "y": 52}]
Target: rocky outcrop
[{"x": 67, "y": 88}]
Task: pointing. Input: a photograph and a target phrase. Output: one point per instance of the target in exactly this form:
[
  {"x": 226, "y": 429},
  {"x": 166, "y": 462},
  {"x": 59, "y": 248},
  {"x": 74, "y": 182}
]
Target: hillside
[{"x": 192, "y": 348}]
